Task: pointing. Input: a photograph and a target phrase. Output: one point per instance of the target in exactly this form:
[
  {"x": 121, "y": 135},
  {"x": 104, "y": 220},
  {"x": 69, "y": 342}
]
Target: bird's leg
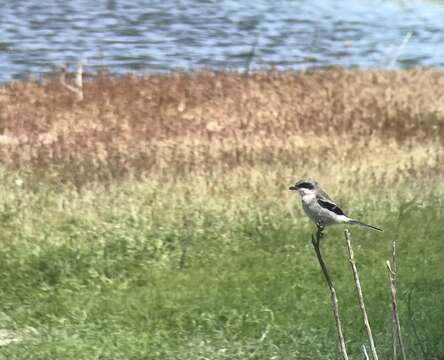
[{"x": 319, "y": 233}]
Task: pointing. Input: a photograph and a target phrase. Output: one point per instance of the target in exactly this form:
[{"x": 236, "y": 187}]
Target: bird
[{"x": 320, "y": 208}]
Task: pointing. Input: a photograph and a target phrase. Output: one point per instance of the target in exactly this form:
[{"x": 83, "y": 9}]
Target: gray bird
[{"x": 320, "y": 208}]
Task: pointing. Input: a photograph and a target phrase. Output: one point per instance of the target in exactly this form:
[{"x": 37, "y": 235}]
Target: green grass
[{"x": 147, "y": 270}]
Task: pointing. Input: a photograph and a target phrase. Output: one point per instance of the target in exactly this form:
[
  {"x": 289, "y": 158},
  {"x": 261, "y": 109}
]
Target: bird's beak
[{"x": 292, "y": 188}]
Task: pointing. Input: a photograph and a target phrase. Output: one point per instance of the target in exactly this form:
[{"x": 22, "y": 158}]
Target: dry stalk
[
  {"x": 251, "y": 55},
  {"x": 392, "y": 279},
  {"x": 360, "y": 295},
  {"x": 400, "y": 48},
  {"x": 223, "y": 121},
  {"x": 79, "y": 77},
  {"x": 394, "y": 329},
  {"x": 334, "y": 300},
  {"x": 364, "y": 351},
  {"x": 78, "y": 87}
]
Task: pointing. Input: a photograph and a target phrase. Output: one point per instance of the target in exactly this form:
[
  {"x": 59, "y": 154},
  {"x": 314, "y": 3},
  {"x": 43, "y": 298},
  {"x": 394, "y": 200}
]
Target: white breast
[{"x": 311, "y": 206}]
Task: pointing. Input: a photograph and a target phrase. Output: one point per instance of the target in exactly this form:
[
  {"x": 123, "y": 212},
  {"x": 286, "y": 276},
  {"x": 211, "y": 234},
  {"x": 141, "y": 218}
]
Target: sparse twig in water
[
  {"x": 392, "y": 277},
  {"x": 401, "y": 47},
  {"x": 360, "y": 295},
  {"x": 251, "y": 55},
  {"x": 78, "y": 87},
  {"x": 79, "y": 76},
  {"x": 334, "y": 300}
]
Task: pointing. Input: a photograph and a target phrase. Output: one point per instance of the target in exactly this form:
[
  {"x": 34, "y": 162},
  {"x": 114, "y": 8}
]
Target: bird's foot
[
  {"x": 320, "y": 227},
  {"x": 319, "y": 233}
]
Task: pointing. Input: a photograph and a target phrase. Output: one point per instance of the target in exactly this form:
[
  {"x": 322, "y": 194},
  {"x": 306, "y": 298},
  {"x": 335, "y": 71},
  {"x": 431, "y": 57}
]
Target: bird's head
[{"x": 305, "y": 186}]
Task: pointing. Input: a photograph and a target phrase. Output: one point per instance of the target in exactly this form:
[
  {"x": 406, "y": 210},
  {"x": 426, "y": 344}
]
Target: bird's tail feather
[{"x": 357, "y": 222}]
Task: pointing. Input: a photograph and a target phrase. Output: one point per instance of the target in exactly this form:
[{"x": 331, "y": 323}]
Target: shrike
[{"x": 320, "y": 208}]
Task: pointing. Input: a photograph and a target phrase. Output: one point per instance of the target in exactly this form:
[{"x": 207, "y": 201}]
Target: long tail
[{"x": 357, "y": 222}]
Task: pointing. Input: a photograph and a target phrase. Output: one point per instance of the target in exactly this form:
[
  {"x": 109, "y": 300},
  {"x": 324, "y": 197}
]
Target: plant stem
[
  {"x": 334, "y": 300},
  {"x": 360, "y": 295},
  {"x": 392, "y": 276},
  {"x": 364, "y": 351},
  {"x": 394, "y": 327}
]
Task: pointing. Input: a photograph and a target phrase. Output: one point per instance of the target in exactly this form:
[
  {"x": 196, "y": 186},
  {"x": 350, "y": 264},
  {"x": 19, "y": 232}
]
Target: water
[{"x": 150, "y": 36}]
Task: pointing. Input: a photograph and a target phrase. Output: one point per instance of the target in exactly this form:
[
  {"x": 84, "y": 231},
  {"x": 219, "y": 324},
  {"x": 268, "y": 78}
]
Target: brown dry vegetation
[{"x": 209, "y": 121}]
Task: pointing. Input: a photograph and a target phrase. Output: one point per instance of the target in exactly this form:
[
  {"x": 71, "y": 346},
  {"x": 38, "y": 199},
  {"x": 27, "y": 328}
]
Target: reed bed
[{"x": 134, "y": 126}]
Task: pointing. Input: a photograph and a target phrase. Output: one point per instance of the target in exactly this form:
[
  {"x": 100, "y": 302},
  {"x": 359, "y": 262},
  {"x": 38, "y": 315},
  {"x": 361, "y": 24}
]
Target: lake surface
[{"x": 151, "y": 36}]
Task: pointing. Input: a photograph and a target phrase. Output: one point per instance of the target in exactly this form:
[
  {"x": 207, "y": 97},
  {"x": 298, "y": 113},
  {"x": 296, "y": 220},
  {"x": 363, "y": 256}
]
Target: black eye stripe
[{"x": 306, "y": 185}]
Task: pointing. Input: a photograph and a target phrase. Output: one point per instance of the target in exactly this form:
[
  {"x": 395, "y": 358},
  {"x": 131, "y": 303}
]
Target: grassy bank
[{"x": 152, "y": 219}]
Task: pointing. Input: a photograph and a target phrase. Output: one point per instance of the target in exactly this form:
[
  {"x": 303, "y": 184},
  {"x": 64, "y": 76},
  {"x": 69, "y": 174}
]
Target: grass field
[{"x": 152, "y": 220}]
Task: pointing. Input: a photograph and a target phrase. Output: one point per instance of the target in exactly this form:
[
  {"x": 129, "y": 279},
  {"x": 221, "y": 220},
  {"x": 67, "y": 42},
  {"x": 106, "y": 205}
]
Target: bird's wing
[
  {"x": 322, "y": 194},
  {"x": 327, "y": 203}
]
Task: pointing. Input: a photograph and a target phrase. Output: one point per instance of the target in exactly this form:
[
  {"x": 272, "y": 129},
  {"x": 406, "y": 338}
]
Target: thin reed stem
[
  {"x": 394, "y": 326},
  {"x": 78, "y": 87},
  {"x": 392, "y": 278},
  {"x": 334, "y": 300},
  {"x": 360, "y": 295},
  {"x": 364, "y": 351}
]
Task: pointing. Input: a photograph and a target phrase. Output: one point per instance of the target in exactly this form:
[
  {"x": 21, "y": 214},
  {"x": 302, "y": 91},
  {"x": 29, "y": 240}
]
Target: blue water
[{"x": 150, "y": 36}]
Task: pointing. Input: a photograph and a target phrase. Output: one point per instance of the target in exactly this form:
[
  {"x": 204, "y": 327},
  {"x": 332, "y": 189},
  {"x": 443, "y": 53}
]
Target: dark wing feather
[{"x": 330, "y": 205}]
